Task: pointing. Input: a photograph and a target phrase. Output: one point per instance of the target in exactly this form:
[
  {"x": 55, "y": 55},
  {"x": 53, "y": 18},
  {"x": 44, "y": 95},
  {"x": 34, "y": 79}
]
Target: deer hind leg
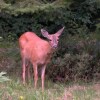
[
  {"x": 28, "y": 70},
  {"x": 43, "y": 76},
  {"x": 23, "y": 70},
  {"x": 35, "y": 75}
]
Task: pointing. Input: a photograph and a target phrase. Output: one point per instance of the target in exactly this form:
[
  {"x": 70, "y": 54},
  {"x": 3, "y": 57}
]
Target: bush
[
  {"x": 17, "y": 19},
  {"x": 79, "y": 61}
]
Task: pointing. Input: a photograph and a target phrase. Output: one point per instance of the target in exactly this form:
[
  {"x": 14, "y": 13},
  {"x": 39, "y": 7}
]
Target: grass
[{"x": 15, "y": 90}]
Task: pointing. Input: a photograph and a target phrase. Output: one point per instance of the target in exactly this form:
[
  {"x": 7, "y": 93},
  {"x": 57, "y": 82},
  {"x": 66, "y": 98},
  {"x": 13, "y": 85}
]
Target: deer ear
[
  {"x": 44, "y": 33},
  {"x": 60, "y": 32}
]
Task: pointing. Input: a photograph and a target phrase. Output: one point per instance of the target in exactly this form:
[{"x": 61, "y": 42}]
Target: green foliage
[
  {"x": 27, "y": 15},
  {"x": 10, "y": 1},
  {"x": 76, "y": 60},
  {"x": 3, "y": 78},
  {"x": 11, "y": 37}
]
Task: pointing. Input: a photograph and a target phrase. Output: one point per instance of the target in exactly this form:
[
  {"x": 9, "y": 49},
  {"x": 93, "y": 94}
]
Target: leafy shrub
[
  {"x": 79, "y": 61},
  {"x": 17, "y": 19},
  {"x": 11, "y": 37}
]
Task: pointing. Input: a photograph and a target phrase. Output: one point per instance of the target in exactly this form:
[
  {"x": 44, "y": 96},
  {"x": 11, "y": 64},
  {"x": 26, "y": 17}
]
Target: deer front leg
[
  {"x": 23, "y": 70},
  {"x": 35, "y": 75},
  {"x": 43, "y": 76}
]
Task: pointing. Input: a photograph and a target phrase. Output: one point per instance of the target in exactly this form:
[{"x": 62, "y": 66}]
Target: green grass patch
[{"x": 15, "y": 90}]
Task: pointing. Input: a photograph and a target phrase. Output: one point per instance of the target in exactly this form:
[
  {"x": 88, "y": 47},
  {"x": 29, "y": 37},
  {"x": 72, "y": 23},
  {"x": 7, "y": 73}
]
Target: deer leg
[
  {"x": 23, "y": 70},
  {"x": 35, "y": 75},
  {"x": 43, "y": 76},
  {"x": 28, "y": 70}
]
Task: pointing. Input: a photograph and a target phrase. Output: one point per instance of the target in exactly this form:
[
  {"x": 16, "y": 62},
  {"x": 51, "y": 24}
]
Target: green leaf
[{"x": 3, "y": 78}]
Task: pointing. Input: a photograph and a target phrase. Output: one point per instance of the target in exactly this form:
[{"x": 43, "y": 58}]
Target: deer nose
[{"x": 54, "y": 46}]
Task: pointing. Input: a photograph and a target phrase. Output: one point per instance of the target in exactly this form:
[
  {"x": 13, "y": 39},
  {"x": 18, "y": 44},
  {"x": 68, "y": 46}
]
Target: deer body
[
  {"x": 34, "y": 48},
  {"x": 37, "y": 51}
]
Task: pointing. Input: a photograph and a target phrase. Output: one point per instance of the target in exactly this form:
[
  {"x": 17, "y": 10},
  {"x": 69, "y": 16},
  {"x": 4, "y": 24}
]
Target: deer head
[{"x": 54, "y": 38}]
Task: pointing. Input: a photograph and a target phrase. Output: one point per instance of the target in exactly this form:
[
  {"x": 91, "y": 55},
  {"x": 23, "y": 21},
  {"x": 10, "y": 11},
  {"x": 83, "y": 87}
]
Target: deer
[{"x": 38, "y": 52}]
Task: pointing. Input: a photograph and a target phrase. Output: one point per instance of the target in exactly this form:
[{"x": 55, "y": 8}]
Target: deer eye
[{"x": 50, "y": 40}]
